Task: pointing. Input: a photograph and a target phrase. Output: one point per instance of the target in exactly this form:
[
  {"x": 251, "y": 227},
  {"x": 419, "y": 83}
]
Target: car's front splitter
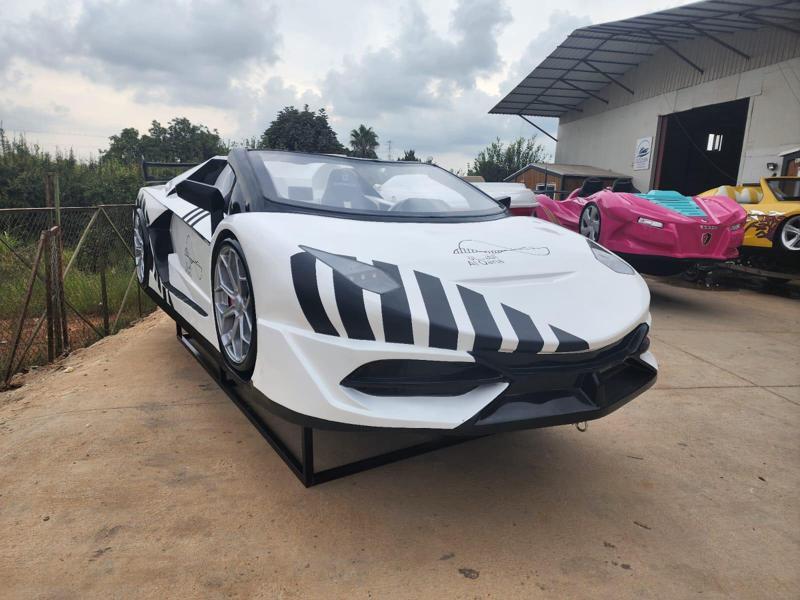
[{"x": 541, "y": 391}]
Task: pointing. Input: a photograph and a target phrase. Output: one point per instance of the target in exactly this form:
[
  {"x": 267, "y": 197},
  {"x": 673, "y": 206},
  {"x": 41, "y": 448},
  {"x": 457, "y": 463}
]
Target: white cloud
[
  {"x": 419, "y": 67},
  {"x": 189, "y": 54},
  {"x": 423, "y": 75}
]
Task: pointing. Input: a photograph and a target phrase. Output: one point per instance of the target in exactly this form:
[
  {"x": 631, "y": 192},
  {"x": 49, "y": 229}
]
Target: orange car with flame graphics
[{"x": 773, "y": 212}]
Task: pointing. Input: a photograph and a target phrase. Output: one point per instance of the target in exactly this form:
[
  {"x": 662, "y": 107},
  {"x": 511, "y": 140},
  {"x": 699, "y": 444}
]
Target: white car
[
  {"x": 522, "y": 200},
  {"x": 362, "y": 293}
]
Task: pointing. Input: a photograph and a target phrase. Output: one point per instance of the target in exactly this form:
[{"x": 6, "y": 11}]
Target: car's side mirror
[
  {"x": 203, "y": 196},
  {"x": 505, "y": 201}
]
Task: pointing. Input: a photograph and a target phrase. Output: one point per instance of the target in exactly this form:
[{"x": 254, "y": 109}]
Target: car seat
[
  {"x": 591, "y": 185},
  {"x": 345, "y": 189},
  {"x": 624, "y": 185},
  {"x": 748, "y": 195}
]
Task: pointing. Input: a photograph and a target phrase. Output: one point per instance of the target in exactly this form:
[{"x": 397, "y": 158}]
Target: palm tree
[{"x": 364, "y": 141}]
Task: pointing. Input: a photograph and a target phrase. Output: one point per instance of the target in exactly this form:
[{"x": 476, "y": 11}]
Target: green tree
[
  {"x": 363, "y": 142},
  {"x": 301, "y": 131},
  {"x": 180, "y": 141},
  {"x": 124, "y": 147},
  {"x": 497, "y": 161},
  {"x": 82, "y": 182},
  {"x": 408, "y": 155}
]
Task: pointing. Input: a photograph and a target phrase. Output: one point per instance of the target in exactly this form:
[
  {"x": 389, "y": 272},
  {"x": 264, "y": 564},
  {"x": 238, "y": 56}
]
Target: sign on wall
[{"x": 641, "y": 158}]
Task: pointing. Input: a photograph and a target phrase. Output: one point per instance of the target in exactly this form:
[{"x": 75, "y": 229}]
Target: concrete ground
[{"x": 126, "y": 473}]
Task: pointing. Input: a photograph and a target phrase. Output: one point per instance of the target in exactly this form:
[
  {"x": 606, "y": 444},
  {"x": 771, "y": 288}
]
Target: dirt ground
[{"x": 126, "y": 473}]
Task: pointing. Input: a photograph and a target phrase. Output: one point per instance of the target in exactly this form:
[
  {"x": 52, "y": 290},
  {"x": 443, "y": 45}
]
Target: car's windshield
[
  {"x": 370, "y": 187},
  {"x": 785, "y": 189}
]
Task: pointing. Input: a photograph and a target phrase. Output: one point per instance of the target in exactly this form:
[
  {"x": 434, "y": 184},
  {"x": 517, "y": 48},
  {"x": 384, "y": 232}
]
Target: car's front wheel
[
  {"x": 141, "y": 249},
  {"x": 590, "y": 222},
  {"x": 234, "y": 308}
]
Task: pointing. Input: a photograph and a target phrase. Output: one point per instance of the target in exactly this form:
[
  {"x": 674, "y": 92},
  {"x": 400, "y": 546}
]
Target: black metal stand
[{"x": 302, "y": 466}]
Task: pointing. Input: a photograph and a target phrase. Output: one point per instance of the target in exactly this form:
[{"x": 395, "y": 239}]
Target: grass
[{"x": 82, "y": 289}]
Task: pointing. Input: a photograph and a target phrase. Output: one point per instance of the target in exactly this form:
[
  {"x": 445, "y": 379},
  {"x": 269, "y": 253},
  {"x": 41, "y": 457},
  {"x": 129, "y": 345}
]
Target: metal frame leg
[{"x": 302, "y": 466}]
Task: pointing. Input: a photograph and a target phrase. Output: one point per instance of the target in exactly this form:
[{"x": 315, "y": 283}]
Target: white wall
[{"x": 607, "y": 139}]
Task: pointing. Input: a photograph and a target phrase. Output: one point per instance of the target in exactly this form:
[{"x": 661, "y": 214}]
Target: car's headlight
[
  {"x": 365, "y": 276},
  {"x": 736, "y": 226},
  {"x": 650, "y": 222},
  {"x": 609, "y": 259}
]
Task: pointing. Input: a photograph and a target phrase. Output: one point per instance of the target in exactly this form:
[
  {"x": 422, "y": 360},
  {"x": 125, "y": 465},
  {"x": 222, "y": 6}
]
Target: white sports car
[{"x": 362, "y": 293}]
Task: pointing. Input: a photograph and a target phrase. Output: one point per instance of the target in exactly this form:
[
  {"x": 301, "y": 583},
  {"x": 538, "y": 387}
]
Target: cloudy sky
[{"x": 423, "y": 74}]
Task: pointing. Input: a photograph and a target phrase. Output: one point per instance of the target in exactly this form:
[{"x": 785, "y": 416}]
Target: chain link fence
[{"x": 67, "y": 278}]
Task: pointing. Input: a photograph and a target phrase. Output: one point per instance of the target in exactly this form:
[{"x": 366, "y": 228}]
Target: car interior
[
  {"x": 591, "y": 185},
  {"x": 624, "y": 185}
]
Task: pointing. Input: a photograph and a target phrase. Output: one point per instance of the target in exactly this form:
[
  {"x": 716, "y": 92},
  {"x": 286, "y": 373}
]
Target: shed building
[
  {"x": 560, "y": 179},
  {"x": 685, "y": 99}
]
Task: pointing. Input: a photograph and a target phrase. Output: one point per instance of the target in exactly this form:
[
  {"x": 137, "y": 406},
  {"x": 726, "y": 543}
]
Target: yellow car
[{"x": 773, "y": 212}]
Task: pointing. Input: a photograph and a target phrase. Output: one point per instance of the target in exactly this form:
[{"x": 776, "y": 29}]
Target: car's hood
[
  {"x": 532, "y": 267},
  {"x": 709, "y": 210}
]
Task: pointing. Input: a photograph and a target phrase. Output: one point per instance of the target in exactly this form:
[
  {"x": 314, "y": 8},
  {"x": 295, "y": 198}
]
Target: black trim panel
[
  {"x": 530, "y": 340},
  {"x": 487, "y": 334},
  {"x": 352, "y": 310},
  {"x": 304, "y": 278},
  {"x": 443, "y": 331},
  {"x": 395, "y": 310},
  {"x": 568, "y": 342}
]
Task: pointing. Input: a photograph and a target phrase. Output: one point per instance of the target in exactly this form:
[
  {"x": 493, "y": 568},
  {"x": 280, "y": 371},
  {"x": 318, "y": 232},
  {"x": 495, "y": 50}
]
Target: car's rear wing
[{"x": 164, "y": 171}]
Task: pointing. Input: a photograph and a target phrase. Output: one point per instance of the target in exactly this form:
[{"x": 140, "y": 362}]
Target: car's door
[{"x": 191, "y": 241}]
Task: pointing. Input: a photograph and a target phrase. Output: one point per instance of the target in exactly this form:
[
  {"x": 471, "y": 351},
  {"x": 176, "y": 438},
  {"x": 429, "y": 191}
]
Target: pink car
[{"x": 660, "y": 232}]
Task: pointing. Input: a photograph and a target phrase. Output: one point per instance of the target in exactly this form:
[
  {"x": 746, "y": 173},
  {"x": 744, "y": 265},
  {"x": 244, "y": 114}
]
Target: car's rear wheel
[
  {"x": 590, "y": 222},
  {"x": 234, "y": 308},
  {"x": 788, "y": 236},
  {"x": 141, "y": 249}
]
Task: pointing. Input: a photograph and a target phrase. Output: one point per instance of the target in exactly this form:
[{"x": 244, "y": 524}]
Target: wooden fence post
[
  {"x": 48, "y": 198},
  {"x": 48, "y": 295},
  {"x": 28, "y": 293},
  {"x": 104, "y": 297},
  {"x": 57, "y": 198},
  {"x": 61, "y": 294}
]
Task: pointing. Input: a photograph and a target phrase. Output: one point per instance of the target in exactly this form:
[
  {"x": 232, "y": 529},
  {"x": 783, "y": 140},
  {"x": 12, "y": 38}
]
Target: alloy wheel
[
  {"x": 790, "y": 234},
  {"x": 232, "y": 299},
  {"x": 138, "y": 248},
  {"x": 590, "y": 222}
]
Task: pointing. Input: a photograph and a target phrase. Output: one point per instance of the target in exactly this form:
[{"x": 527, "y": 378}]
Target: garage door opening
[{"x": 700, "y": 148}]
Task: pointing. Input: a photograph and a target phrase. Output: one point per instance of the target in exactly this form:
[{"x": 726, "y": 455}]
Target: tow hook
[{"x": 582, "y": 426}]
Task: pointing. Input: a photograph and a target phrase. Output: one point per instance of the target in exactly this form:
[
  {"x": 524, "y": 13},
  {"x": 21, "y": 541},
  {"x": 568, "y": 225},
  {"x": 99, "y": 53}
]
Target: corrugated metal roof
[
  {"x": 562, "y": 170},
  {"x": 594, "y": 57}
]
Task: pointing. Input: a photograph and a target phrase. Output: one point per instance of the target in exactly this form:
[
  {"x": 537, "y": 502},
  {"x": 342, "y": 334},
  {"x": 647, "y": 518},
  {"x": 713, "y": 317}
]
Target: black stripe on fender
[
  {"x": 192, "y": 213},
  {"x": 304, "y": 277},
  {"x": 530, "y": 340},
  {"x": 350, "y": 301},
  {"x": 568, "y": 342},
  {"x": 487, "y": 333},
  {"x": 197, "y": 218},
  {"x": 443, "y": 331},
  {"x": 395, "y": 311}
]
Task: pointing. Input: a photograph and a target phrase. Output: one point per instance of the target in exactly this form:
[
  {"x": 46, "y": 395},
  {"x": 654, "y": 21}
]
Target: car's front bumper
[
  {"x": 675, "y": 240},
  {"x": 556, "y": 390},
  {"x": 321, "y": 381}
]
